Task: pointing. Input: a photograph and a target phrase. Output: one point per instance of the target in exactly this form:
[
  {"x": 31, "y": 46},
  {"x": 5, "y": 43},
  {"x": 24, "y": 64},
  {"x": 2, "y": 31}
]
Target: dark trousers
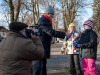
[
  {"x": 39, "y": 67},
  {"x": 74, "y": 61}
]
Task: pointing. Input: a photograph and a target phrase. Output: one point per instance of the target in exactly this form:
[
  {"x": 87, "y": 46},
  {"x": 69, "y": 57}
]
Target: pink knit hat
[{"x": 89, "y": 23}]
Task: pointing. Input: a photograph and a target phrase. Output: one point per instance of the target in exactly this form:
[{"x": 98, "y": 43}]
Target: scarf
[{"x": 46, "y": 16}]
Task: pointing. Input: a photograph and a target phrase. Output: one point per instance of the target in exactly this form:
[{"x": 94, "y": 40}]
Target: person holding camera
[
  {"x": 17, "y": 51},
  {"x": 45, "y": 22}
]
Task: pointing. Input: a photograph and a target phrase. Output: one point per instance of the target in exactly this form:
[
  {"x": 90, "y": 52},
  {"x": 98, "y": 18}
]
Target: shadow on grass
[
  {"x": 54, "y": 74},
  {"x": 98, "y": 60},
  {"x": 98, "y": 68},
  {"x": 65, "y": 71}
]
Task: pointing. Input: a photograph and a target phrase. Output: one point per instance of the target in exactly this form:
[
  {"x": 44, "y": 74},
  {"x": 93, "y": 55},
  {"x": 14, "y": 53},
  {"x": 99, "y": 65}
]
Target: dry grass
[
  {"x": 65, "y": 71},
  {"x": 98, "y": 62}
]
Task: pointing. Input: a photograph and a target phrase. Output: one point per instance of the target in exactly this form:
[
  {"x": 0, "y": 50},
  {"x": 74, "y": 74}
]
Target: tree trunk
[
  {"x": 33, "y": 5},
  {"x": 17, "y": 10},
  {"x": 11, "y": 10}
]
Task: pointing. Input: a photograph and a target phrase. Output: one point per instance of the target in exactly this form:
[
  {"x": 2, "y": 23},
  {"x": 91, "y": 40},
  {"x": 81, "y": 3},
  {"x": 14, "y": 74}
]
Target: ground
[{"x": 58, "y": 63}]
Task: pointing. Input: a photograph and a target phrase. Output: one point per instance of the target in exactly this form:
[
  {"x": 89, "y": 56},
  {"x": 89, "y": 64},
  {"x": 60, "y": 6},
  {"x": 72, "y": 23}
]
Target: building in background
[{"x": 3, "y": 32}]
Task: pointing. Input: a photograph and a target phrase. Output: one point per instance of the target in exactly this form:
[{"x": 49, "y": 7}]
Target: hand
[
  {"x": 75, "y": 41},
  {"x": 35, "y": 30},
  {"x": 68, "y": 35},
  {"x": 76, "y": 44},
  {"x": 34, "y": 36}
]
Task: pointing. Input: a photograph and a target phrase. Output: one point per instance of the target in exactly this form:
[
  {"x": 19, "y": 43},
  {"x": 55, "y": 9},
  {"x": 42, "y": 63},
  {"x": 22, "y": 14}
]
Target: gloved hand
[{"x": 76, "y": 44}]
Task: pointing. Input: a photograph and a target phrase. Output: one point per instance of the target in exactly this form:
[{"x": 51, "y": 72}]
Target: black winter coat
[
  {"x": 88, "y": 43},
  {"x": 48, "y": 33}
]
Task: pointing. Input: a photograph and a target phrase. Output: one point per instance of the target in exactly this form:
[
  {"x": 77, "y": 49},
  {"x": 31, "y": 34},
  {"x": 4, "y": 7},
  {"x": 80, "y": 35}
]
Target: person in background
[
  {"x": 88, "y": 45},
  {"x": 17, "y": 51},
  {"x": 1, "y": 38},
  {"x": 73, "y": 53},
  {"x": 45, "y": 22}
]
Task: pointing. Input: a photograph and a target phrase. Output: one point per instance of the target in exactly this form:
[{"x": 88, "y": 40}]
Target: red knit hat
[{"x": 89, "y": 23}]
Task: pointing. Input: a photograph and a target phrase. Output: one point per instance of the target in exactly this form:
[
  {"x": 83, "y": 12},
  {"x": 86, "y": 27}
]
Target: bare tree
[
  {"x": 35, "y": 10},
  {"x": 29, "y": 11},
  {"x": 96, "y": 15},
  {"x": 14, "y": 6},
  {"x": 69, "y": 11},
  {"x": 18, "y": 10}
]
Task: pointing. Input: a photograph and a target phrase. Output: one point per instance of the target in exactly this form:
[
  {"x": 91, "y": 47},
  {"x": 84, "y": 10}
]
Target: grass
[
  {"x": 98, "y": 68},
  {"x": 98, "y": 63},
  {"x": 65, "y": 71}
]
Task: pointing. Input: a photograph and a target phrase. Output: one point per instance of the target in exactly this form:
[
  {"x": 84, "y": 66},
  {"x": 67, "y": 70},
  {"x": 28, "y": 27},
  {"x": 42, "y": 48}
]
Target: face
[
  {"x": 23, "y": 32},
  {"x": 50, "y": 16},
  {"x": 87, "y": 27},
  {"x": 72, "y": 29}
]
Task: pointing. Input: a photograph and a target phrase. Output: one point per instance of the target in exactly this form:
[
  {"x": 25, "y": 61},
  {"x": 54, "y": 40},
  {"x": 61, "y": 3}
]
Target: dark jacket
[
  {"x": 17, "y": 54},
  {"x": 48, "y": 33},
  {"x": 88, "y": 43}
]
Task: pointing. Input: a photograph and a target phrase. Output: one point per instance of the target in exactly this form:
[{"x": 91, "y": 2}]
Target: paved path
[{"x": 58, "y": 61}]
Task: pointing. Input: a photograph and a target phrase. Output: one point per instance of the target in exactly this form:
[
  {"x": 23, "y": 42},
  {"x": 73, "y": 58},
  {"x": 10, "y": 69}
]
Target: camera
[{"x": 36, "y": 26}]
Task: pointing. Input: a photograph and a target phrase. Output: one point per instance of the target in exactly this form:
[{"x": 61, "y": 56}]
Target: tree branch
[{"x": 6, "y": 1}]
